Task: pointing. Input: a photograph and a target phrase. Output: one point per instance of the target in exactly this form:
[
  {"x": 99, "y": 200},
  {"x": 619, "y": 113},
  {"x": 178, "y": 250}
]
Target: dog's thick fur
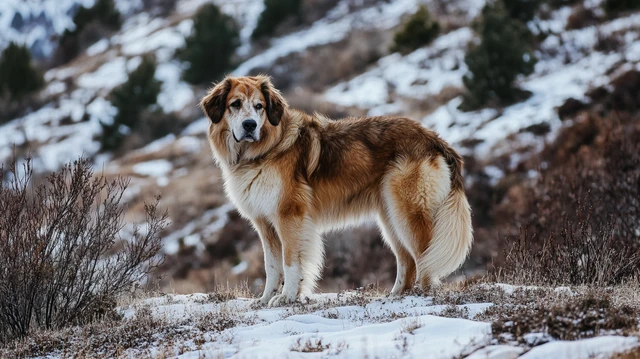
[{"x": 298, "y": 175}]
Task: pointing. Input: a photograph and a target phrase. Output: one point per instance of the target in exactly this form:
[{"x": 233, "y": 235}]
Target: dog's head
[{"x": 245, "y": 106}]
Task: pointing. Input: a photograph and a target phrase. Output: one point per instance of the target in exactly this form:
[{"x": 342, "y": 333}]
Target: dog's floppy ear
[
  {"x": 214, "y": 104},
  {"x": 275, "y": 102}
]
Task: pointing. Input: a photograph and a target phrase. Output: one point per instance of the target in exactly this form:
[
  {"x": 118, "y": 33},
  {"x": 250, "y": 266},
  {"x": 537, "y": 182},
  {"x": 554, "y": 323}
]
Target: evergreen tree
[
  {"x": 523, "y": 10},
  {"x": 18, "y": 76},
  {"x": 131, "y": 99},
  {"x": 274, "y": 13},
  {"x": 208, "y": 50},
  {"x": 419, "y": 31},
  {"x": 103, "y": 14},
  {"x": 504, "y": 52},
  {"x": 614, "y": 6}
]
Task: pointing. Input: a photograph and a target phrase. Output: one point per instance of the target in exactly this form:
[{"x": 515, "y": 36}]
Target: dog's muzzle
[{"x": 249, "y": 131}]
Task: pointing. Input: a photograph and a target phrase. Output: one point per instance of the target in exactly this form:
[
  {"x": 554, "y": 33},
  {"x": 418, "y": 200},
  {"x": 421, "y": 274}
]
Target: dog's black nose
[{"x": 249, "y": 125}]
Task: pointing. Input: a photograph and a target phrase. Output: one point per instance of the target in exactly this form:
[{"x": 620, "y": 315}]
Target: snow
[
  {"x": 175, "y": 94},
  {"x": 600, "y": 347},
  {"x": 206, "y": 225},
  {"x": 41, "y": 21},
  {"x": 108, "y": 76},
  {"x": 329, "y": 30},
  {"x": 239, "y": 268},
  {"x": 97, "y": 48},
  {"x": 197, "y": 127},
  {"x": 154, "y": 168},
  {"x": 422, "y": 73},
  {"x": 405, "y": 327}
]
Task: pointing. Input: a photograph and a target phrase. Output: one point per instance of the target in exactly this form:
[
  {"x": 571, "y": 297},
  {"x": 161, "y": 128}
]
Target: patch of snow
[
  {"x": 175, "y": 94},
  {"x": 153, "y": 168},
  {"x": 497, "y": 352},
  {"x": 99, "y": 47},
  {"x": 189, "y": 144},
  {"x": 102, "y": 110},
  {"x": 422, "y": 73},
  {"x": 206, "y": 225},
  {"x": 167, "y": 38},
  {"x": 240, "y": 268},
  {"x": 197, "y": 127},
  {"x": 55, "y": 88},
  {"x": 599, "y": 347},
  {"x": 36, "y": 23},
  {"x": 108, "y": 76},
  {"x": 158, "y": 144}
]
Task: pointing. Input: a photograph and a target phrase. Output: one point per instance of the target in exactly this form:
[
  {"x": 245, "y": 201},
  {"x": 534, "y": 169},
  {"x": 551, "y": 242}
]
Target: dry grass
[
  {"x": 573, "y": 319},
  {"x": 410, "y": 326}
]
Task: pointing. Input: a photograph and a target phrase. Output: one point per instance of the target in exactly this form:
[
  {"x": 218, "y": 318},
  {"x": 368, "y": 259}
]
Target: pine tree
[
  {"x": 131, "y": 99},
  {"x": 274, "y": 13},
  {"x": 504, "y": 52},
  {"x": 419, "y": 31},
  {"x": 209, "y": 49},
  {"x": 18, "y": 76},
  {"x": 523, "y": 10},
  {"x": 103, "y": 14},
  {"x": 614, "y": 6}
]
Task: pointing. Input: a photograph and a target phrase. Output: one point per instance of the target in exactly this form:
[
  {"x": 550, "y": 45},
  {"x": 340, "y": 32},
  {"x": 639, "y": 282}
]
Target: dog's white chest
[{"x": 256, "y": 191}]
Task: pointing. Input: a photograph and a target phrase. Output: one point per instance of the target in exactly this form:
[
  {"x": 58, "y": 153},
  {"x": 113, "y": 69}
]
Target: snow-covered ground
[{"x": 345, "y": 325}]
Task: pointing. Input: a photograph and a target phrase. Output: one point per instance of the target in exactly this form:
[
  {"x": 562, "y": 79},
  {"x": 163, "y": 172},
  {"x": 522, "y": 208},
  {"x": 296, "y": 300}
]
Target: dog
[{"x": 295, "y": 176}]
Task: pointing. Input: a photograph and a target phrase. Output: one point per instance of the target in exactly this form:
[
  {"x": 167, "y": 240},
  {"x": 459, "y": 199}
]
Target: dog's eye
[
  {"x": 236, "y": 104},
  {"x": 259, "y": 106}
]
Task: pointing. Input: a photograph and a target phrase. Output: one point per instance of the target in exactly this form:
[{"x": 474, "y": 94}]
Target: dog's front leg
[
  {"x": 272, "y": 258},
  {"x": 293, "y": 231}
]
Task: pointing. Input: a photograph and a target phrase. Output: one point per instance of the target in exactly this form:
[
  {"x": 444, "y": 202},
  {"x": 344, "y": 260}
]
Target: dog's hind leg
[
  {"x": 272, "y": 258},
  {"x": 412, "y": 192},
  {"x": 405, "y": 263}
]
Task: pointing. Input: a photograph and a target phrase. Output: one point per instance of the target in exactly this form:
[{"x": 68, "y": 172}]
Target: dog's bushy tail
[{"x": 452, "y": 233}]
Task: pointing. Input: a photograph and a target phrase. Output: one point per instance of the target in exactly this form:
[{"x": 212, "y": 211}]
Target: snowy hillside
[{"x": 339, "y": 63}]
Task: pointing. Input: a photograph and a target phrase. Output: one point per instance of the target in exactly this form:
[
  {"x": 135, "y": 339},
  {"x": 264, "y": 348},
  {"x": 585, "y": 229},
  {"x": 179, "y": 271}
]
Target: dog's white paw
[
  {"x": 281, "y": 299},
  {"x": 264, "y": 300}
]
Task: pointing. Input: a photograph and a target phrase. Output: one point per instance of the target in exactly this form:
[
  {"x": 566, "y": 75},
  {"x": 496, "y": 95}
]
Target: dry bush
[
  {"x": 57, "y": 267},
  {"x": 577, "y": 318},
  {"x": 629, "y": 354},
  {"x": 104, "y": 339},
  {"x": 581, "y": 17},
  {"x": 579, "y": 221}
]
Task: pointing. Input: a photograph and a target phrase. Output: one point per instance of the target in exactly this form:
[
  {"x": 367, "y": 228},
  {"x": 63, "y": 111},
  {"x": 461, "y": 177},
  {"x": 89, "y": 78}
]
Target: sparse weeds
[
  {"x": 409, "y": 326},
  {"x": 454, "y": 311},
  {"x": 575, "y": 318},
  {"x": 216, "y": 321},
  {"x": 311, "y": 345}
]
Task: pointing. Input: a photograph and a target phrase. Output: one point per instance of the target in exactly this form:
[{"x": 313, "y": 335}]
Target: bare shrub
[
  {"x": 579, "y": 222},
  {"x": 57, "y": 267}
]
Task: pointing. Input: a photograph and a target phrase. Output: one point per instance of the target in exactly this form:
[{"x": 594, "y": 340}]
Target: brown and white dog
[{"x": 295, "y": 175}]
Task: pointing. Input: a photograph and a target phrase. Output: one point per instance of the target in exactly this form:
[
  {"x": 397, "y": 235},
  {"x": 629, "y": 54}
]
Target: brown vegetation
[{"x": 58, "y": 265}]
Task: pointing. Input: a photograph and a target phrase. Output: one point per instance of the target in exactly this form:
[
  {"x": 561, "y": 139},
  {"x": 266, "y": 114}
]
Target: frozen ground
[{"x": 345, "y": 325}]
